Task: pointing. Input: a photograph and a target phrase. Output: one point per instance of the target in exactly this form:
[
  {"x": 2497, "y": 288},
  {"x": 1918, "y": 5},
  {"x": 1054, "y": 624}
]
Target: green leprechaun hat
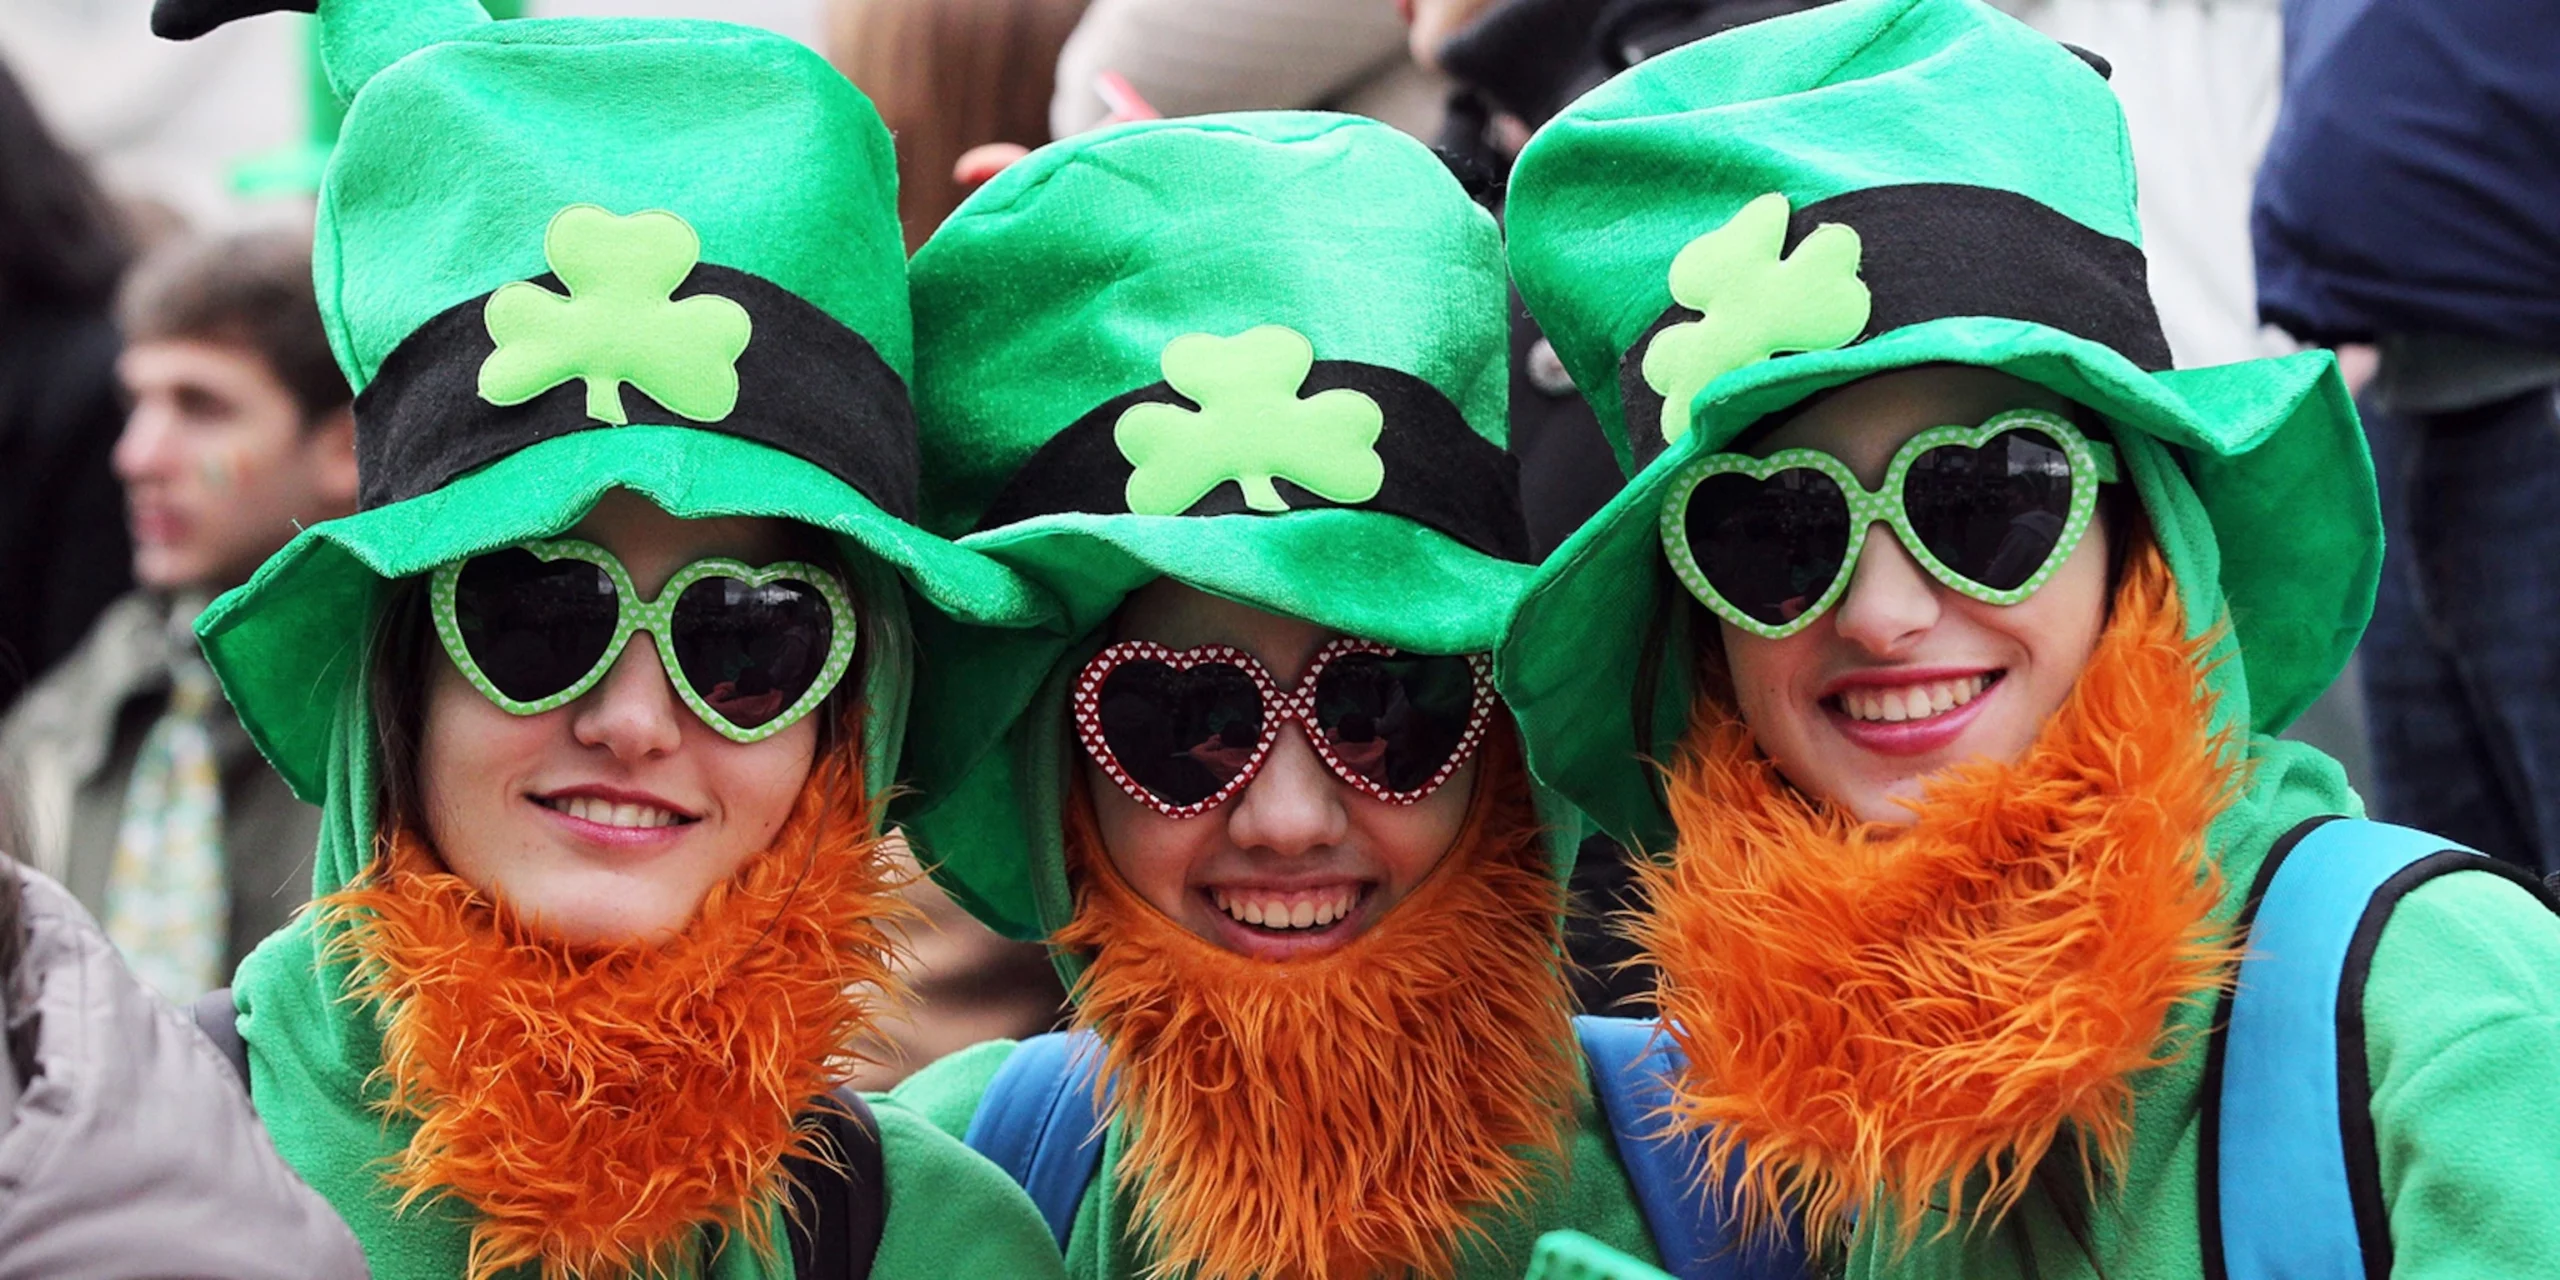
[
  {"x": 558, "y": 257},
  {"x": 1262, "y": 354},
  {"x": 1723, "y": 231}
]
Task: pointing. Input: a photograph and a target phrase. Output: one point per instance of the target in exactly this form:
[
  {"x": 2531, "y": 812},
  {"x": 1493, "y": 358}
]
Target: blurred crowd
[{"x": 2375, "y": 175}]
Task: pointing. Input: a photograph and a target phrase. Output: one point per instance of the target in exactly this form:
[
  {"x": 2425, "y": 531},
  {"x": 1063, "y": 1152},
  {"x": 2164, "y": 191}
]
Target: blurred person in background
[
  {"x": 1193, "y": 57},
  {"x": 143, "y": 794},
  {"x": 63, "y": 554},
  {"x": 2410, "y": 198},
  {"x": 947, "y": 76}
]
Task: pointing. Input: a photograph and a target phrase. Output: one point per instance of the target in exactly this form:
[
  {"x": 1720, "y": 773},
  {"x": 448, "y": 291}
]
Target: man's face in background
[{"x": 220, "y": 468}]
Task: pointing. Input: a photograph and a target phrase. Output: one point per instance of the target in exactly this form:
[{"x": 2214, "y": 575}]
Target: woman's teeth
[
  {"x": 1300, "y": 910},
  {"x": 1911, "y": 702},
  {"x": 606, "y": 813}
]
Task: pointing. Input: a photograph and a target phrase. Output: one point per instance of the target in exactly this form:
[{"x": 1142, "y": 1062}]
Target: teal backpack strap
[
  {"x": 2291, "y": 1184},
  {"x": 1038, "y": 1122},
  {"x": 1632, "y": 1063}
]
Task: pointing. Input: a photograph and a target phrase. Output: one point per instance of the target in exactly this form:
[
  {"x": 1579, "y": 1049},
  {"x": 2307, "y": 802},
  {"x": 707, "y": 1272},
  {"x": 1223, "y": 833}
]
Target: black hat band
[
  {"x": 1931, "y": 251},
  {"x": 1438, "y": 473},
  {"x": 807, "y": 385}
]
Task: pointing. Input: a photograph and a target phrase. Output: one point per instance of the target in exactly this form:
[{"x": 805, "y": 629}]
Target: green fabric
[
  {"x": 2255, "y": 475},
  {"x": 1251, "y": 427},
  {"x": 618, "y": 324},
  {"x": 1592, "y": 1197},
  {"x": 1223, "y": 253}
]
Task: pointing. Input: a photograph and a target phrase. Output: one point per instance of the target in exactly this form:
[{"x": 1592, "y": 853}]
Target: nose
[
  {"x": 1891, "y": 601},
  {"x": 1293, "y": 806},
  {"x": 633, "y": 712},
  {"x": 144, "y": 449}
]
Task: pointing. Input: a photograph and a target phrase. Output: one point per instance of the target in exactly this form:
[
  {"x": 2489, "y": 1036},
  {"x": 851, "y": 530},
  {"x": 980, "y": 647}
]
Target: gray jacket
[
  {"x": 68, "y": 749},
  {"x": 127, "y": 1145}
]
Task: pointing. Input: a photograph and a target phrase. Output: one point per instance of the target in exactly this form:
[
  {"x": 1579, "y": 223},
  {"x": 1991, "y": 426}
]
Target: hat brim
[
  {"x": 2255, "y": 476},
  {"x": 289, "y": 645}
]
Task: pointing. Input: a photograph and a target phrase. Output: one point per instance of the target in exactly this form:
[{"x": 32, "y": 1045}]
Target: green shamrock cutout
[
  {"x": 618, "y": 324},
  {"x": 1753, "y": 303},
  {"x": 1251, "y": 427}
]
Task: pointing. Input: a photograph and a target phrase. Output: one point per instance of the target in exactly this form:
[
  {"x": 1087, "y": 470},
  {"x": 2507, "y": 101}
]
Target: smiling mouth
[
  {"x": 1890, "y": 704},
  {"x": 1292, "y": 911},
  {"x": 608, "y": 813}
]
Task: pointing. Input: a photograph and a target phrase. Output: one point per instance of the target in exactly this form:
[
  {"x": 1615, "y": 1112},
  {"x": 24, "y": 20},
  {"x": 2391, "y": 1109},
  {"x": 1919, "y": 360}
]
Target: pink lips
[
  {"x": 1906, "y": 737},
  {"x": 610, "y": 835}
]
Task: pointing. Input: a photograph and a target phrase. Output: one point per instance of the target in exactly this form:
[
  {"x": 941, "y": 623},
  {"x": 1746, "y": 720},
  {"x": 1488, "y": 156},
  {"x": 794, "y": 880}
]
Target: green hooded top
[
  {"x": 1324, "y": 251},
  {"x": 1880, "y": 184},
  {"x": 644, "y": 170}
]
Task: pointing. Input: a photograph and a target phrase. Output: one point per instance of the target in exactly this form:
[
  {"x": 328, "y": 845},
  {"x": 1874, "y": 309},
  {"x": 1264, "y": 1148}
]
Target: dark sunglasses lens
[
  {"x": 1991, "y": 513},
  {"x": 1395, "y": 719},
  {"x": 1769, "y": 547},
  {"x": 751, "y": 651},
  {"x": 1183, "y": 734},
  {"x": 533, "y": 625}
]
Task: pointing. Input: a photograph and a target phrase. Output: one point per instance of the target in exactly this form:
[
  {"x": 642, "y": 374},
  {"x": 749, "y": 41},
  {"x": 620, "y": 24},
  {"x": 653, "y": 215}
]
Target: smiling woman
[{"x": 607, "y": 799}]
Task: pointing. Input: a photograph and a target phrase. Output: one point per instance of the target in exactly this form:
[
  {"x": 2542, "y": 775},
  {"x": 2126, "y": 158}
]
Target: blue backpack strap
[
  {"x": 1632, "y": 1064},
  {"x": 1038, "y": 1123},
  {"x": 2292, "y": 1188}
]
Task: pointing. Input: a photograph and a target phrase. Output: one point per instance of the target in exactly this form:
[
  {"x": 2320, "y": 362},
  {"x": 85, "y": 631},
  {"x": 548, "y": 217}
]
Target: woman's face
[
  {"x": 608, "y": 819},
  {"x": 1898, "y": 643},
  {"x": 1297, "y": 842}
]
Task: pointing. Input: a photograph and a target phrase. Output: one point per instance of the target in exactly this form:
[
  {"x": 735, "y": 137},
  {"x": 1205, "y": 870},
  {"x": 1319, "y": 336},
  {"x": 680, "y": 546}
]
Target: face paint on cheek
[{"x": 218, "y": 469}]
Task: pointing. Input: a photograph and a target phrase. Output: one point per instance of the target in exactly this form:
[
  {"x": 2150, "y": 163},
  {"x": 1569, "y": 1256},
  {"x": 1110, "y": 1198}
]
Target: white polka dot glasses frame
[
  {"x": 749, "y": 650},
  {"x": 1770, "y": 544},
  {"x": 1183, "y": 731}
]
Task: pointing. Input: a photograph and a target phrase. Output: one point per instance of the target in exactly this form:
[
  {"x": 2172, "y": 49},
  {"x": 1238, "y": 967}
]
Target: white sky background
[{"x": 166, "y": 121}]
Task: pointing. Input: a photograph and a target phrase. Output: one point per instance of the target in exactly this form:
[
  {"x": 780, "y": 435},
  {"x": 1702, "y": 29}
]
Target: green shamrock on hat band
[
  {"x": 1251, "y": 427},
  {"x": 753, "y": 631},
  {"x": 1753, "y": 303},
  {"x": 1825, "y": 500},
  {"x": 618, "y": 323}
]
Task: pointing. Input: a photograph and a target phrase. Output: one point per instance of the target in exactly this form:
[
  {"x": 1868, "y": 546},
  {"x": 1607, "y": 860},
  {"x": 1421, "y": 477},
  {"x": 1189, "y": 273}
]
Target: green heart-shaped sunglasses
[
  {"x": 1770, "y": 543},
  {"x": 751, "y": 650}
]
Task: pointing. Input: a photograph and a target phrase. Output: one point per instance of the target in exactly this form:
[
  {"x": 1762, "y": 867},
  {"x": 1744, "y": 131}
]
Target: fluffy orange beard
[
  {"x": 599, "y": 1105},
  {"x": 1919, "y": 1012},
  {"x": 1343, "y": 1116}
]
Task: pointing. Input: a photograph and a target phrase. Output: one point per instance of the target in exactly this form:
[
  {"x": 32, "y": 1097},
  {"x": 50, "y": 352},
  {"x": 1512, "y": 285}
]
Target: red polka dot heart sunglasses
[{"x": 1181, "y": 731}]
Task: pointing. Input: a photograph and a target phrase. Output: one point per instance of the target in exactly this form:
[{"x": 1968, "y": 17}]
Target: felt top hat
[
  {"x": 557, "y": 257},
  {"x": 1262, "y": 354},
  {"x": 1718, "y": 233}
]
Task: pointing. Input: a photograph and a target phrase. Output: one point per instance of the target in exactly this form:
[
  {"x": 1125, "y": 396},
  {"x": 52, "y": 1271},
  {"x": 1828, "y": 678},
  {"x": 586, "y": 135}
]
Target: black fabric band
[
  {"x": 807, "y": 385},
  {"x": 1929, "y": 251},
  {"x": 1439, "y": 472}
]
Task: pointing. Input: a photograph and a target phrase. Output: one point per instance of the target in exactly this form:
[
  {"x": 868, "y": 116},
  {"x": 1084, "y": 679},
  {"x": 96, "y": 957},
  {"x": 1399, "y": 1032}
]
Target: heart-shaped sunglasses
[
  {"x": 1181, "y": 731},
  {"x": 1770, "y": 543},
  {"x": 751, "y": 650}
]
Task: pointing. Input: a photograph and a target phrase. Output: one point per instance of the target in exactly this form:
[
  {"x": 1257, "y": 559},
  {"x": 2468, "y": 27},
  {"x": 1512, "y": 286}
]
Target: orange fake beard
[
  {"x": 1348, "y": 1115},
  {"x": 600, "y": 1105},
  {"x": 1918, "y": 1013}
]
